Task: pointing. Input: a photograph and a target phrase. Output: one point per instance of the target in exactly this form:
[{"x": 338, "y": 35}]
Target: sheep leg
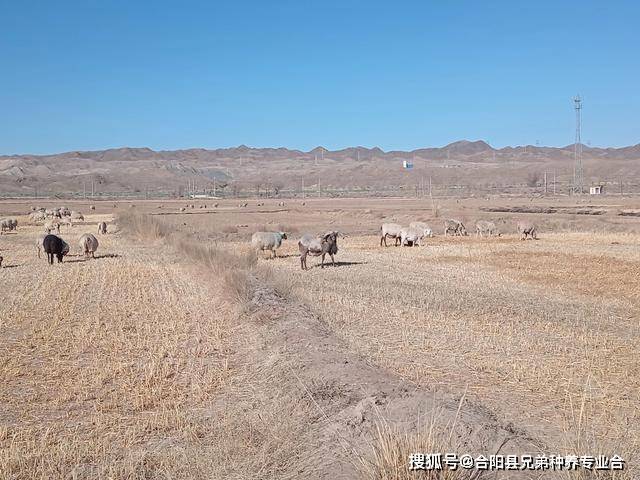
[
  {"x": 322, "y": 262},
  {"x": 333, "y": 262}
]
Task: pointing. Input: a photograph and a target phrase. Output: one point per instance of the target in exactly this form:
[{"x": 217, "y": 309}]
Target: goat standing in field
[{"x": 318, "y": 246}]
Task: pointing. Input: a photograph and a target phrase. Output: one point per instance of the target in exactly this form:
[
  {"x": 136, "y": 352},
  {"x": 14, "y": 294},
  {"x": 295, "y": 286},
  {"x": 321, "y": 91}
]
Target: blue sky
[{"x": 399, "y": 75}]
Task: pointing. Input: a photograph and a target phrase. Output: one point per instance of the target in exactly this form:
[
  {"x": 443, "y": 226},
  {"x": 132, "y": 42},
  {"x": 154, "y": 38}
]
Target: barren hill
[{"x": 467, "y": 165}]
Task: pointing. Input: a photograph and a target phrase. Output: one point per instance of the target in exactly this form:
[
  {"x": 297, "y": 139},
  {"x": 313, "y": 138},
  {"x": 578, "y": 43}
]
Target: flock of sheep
[
  {"x": 50, "y": 242},
  {"x": 413, "y": 235}
]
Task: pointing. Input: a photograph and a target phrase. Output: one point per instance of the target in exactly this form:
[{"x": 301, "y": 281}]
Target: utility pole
[
  {"x": 545, "y": 183},
  {"x": 84, "y": 189},
  {"x": 554, "y": 183},
  {"x": 430, "y": 194},
  {"x": 214, "y": 186},
  {"x": 302, "y": 187},
  {"x": 578, "y": 174}
]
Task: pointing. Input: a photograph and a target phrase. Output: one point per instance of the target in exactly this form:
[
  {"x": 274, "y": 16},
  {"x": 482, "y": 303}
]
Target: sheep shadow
[
  {"x": 11, "y": 266},
  {"x": 82, "y": 258},
  {"x": 338, "y": 264}
]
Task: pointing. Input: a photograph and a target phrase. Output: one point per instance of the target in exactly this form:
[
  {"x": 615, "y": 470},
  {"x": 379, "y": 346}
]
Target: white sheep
[
  {"x": 88, "y": 244},
  {"x": 391, "y": 230},
  {"x": 485, "y": 227},
  {"x": 411, "y": 236},
  {"x": 427, "y": 232},
  {"x": 77, "y": 216},
  {"x": 52, "y": 227},
  {"x": 526, "y": 229},
  {"x": 271, "y": 241}
]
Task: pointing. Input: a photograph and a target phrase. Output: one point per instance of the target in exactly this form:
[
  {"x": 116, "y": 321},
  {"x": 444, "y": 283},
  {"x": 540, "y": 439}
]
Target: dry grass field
[{"x": 176, "y": 353}]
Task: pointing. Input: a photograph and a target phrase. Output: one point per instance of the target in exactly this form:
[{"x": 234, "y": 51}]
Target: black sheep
[{"x": 54, "y": 245}]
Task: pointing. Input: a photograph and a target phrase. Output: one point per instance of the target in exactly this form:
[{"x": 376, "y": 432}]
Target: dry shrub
[
  {"x": 232, "y": 267},
  {"x": 144, "y": 227},
  {"x": 391, "y": 449},
  {"x": 229, "y": 229},
  {"x": 435, "y": 210}
]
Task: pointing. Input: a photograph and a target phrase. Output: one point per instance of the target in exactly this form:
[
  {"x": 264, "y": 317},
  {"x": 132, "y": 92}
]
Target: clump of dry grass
[
  {"x": 143, "y": 227},
  {"x": 232, "y": 267},
  {"x": 390, "y": 450}
]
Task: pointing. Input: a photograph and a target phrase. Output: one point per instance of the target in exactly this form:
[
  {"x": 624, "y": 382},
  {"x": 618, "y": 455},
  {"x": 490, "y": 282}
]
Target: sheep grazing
[
  {"x": 484, "y": 227},
  {"x": 455, "y": 227},
  {"x": 215, "y": 205},
  {"x": 66, "y": 221},
  {"x": 102, "y": 228},
  {"x": 64, "y": 211},
  {"x": 8, "y": 224},
  {"x": 77, "y": 216},
  {"x": 411, "y": 237},
  {"x": 423, "y": 227},
  {"x": 92, "y": 207},
  {"x": 182, "y": 209},
  {"x": 316, "y": 246},
  {"x": 526, "y": 229},
  {"x": 391, "y": 230},
  {"x": 38, "y": 216},
  {"x": 88, "y": 244},
  {"x": 52, "y": 227},
  {"x": 270, "y": 241},
  {"x": 54, "y": 246},
  {"x": 281, "y": 204}
]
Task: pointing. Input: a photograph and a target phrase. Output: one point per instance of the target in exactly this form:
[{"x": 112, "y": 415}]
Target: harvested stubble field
[{"x": 177, "y": 354}]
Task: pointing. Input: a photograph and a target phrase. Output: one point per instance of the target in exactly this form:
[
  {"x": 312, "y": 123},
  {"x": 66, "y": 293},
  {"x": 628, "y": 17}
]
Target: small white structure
[
  {"x": 407, "y": 165},
  {"x": 596, "y": 190}
]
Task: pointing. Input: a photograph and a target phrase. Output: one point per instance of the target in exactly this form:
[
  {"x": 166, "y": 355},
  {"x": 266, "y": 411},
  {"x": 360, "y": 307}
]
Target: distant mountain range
[{"x": 242, "y": 168}]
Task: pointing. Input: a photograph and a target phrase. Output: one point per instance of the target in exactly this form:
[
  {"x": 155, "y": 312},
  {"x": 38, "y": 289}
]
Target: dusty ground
[{"x": 152, "y": 361}]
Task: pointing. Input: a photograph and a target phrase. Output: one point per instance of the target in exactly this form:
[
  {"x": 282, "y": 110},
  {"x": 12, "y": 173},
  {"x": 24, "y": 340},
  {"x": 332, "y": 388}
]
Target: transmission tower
[{"x": 578, "y": 174}]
